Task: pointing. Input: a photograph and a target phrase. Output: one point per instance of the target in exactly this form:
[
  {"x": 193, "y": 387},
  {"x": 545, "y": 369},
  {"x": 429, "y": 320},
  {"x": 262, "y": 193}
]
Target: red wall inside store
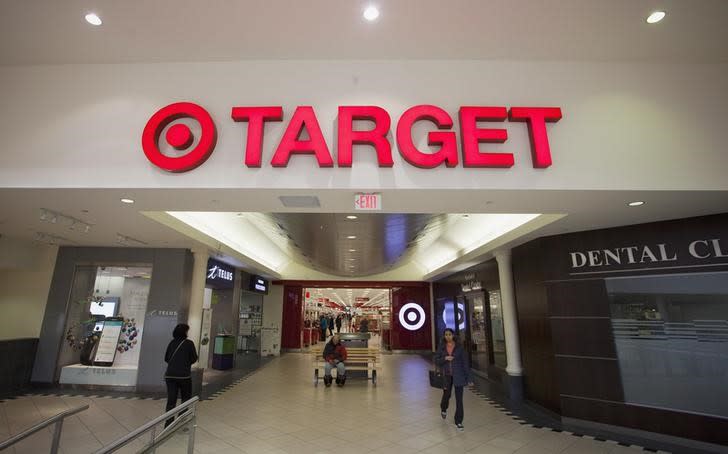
[
  {"x": 292, "y": 323},
  {"x": 402, "y": 338}
]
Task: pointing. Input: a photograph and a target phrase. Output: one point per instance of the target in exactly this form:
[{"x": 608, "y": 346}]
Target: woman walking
[
  {"x": 180, "y": 356},
  {"x": 451, "y": 359}
]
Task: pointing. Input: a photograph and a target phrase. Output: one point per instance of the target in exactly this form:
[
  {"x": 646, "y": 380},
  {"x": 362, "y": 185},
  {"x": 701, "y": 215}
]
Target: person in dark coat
[
  {"x": 323, "y": 321},
  {"x": 338, "y": 323},
  {"x": 331, "y": 324},
  {"x": 364, "y": 325},
  {"x": 180, "y": 356},
  {"x": 453, "y": 362},
  {"x": 334, "y": 354}
]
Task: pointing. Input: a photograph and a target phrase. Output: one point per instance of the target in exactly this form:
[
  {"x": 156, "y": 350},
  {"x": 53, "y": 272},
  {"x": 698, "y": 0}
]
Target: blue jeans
[{"x": 340, "y": 369}]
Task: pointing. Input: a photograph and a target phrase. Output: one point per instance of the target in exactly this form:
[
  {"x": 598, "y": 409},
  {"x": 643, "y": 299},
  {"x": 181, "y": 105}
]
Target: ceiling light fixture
[
  {"x": 352, "y": 250},
  {"x": 127, "y": 240},
  {"x": 352, "y": 217},
  {"x": 351, "y": 237},
  {"x": 51, "y": 239},
  {"x": 93, "y": 19},
  {"x": 655, "y": 17},
  {"x": 59, "y": 218},
  {"x": 371, "y": 13},
  {"x": 636, "y": 203},
  {"x": 125, "y": 200}
]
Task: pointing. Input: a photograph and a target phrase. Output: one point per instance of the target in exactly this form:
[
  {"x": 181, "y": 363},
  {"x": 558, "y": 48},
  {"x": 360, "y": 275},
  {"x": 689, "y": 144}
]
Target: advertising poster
[
  {"x": 107, "y": 343},
  {"x": 133, "y": 309}
]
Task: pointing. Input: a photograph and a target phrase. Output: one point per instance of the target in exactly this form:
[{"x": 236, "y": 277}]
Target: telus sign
[{"x": 180, "y": 137}]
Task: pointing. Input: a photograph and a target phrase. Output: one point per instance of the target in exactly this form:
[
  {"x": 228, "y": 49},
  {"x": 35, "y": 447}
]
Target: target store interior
[{"x": 371, "y": 227}]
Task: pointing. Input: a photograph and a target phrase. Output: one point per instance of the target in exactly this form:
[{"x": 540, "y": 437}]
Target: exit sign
[{"x": 368, "y": 202}]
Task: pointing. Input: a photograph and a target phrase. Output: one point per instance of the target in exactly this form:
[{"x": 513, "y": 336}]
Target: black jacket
[
  {"x": 180, "y": 363},
  {"x": 458, "y": 367}
]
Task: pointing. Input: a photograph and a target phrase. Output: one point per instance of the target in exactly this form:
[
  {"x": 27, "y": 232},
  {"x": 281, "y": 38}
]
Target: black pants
[
  {"x": 174, "y": 386},
  {"x": 446, "y": 393}
]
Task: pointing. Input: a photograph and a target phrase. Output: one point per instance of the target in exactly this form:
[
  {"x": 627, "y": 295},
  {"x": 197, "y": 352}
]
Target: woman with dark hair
[
  {"x": 451, "y": 359},
  {"x": 180, "y": 356}
]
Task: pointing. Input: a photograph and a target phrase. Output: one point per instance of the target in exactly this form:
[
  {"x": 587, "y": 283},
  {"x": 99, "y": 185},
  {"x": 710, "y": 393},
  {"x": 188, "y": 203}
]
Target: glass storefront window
[
  {"x": 671, "y": 334},
  {"x": 251, "y": 321},
  {"x": 106, "y": 311},
  {"x": 496, "y": 328},
  {"x": 478, "y": 330}
]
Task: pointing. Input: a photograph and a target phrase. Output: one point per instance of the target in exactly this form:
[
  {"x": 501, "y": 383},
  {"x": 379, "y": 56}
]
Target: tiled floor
[{"x": 278, "y": 410}]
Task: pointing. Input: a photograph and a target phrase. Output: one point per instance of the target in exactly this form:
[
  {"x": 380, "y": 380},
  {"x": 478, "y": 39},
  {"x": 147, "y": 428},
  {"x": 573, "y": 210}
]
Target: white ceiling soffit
[
  {"x": 55, "y": 32},
  {"x": 435, "y": 251}
]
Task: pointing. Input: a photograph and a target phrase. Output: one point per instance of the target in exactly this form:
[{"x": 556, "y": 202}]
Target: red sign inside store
[{"x": 304, "y": 119}]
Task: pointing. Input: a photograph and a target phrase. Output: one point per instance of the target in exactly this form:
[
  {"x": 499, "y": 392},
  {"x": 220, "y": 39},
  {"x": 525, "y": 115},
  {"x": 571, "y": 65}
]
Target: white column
[
  {"x": 197, "y": 294},
  {"x": 508, "y": 303}
]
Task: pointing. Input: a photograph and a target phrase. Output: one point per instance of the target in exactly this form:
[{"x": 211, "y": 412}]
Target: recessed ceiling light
[
  {"x": 127, "y": 200},
  {"x": 655, "y": 17},
  {"x": 636, "y": 203},
  {"x": 371, "y": 13},
  {"x": 351, "y": 237},
  {"x": 93, "y": 19},
  {"x": 351, "y": 216},
  {"x": 352, "y": 250}
]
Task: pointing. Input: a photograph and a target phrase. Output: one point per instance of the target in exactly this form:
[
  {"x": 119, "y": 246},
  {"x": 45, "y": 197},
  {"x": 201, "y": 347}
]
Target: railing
[
  {"x": 186, "y": 420},
  {"x": 57, "y": 420}
]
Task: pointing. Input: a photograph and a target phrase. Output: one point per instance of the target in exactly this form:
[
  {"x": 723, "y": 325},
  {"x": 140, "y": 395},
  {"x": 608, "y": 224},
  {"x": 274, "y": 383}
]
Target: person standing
[
  {"x": 323, "y": 321},
  {"x": 331, "y": 324},
  {"x": 364, "y": 325},
  {"x": 451, "y": 359},
  {"x": 180, "y": 356},
  {"x": 338, "y": 323}
]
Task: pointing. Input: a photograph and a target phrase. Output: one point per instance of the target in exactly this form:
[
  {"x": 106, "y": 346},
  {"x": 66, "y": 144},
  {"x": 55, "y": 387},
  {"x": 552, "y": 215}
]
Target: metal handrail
[
  {"x": 165, "y": 434},
  {"x": 57, "y": 420},
  {"x": 128, "y": 438}
]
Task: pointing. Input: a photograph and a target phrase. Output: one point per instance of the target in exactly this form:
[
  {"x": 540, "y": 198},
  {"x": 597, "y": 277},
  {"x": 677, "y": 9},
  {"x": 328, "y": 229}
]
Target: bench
[{"x": 357, "y": 358}]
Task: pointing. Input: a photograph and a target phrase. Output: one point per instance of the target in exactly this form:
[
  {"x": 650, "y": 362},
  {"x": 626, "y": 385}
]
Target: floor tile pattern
[{"x": 278, "y": 410}]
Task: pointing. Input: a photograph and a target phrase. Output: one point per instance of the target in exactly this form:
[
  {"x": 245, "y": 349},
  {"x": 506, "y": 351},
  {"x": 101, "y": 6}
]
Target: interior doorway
[{"x": 329, "y": 310}]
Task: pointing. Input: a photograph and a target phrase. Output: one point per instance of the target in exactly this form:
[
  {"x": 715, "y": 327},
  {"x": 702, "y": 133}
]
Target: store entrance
[{"x": 350, "y": 311}]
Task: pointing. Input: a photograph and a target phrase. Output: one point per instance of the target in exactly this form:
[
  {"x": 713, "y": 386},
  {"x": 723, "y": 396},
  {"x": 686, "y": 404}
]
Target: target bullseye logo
[
  {"x": 458, "y": 317},
  {"x": 412, "y": 316},
  {"x": 179, "y": 136}
]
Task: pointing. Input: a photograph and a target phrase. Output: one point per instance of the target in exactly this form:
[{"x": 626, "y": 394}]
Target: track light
[
  {"x": 51, "y": 239},
  {"x": 59, "y": 218},
  {"x": 127, "y": 240}
]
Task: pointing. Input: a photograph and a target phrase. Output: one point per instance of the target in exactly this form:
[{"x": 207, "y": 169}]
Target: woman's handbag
[{"x": 437, "y": 380}]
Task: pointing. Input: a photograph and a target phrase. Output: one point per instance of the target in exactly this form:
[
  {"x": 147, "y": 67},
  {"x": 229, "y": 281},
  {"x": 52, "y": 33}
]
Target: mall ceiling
[
  {"x": 115, "y": 224},
  {"x": 54, "y": 32},
  {"x": 361, "y": 244}
]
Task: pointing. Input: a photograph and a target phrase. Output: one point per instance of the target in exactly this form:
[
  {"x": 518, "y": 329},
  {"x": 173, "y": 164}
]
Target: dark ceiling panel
[{"x": 324, "y": 240}]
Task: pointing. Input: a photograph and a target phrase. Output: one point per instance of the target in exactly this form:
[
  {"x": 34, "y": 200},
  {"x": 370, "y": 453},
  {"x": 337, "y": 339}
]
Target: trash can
[{"x": 223, "y": 354}]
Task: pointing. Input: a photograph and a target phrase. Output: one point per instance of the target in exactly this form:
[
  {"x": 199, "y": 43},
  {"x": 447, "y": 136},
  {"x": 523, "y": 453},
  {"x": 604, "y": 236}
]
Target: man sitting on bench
[{"x": 334, "y": 355}]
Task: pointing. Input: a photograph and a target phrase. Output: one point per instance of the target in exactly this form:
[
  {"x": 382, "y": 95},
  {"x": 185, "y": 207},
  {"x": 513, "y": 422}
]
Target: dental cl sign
[{"x": 304, "y": 119}]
